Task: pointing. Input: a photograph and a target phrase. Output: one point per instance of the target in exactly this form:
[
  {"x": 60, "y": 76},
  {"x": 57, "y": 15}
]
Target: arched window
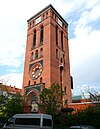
[
  {"x": 61, "y": 60},
  {"x": 56, "y": 53},
  {"x": 41, "y": 80},
  {"x": 43, "y": 16},
  {"x": 34, "y": 39},
  {"x": 30, "y": 24},
  {"x": 46, "y": 14},
  {"x": 52, "y": 14},
  {"x": 36, "y": 54},
  {"x": 62, "y": 39},
  {"x": 33, "y": 23},
  {"x": 65, "y": 90},
  {"x": 41, "y": 52},
  {"x": 29, "y": 83},
  {"x": 32, "y": 56},
  {"x": 64, "y": 58},
  {"x": 56, "y": 35},
  {"x": 42, "y": 34},
  {"x": 34, "y": 82}
]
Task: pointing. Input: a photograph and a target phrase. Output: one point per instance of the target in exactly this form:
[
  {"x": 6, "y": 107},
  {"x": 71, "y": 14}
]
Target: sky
[{"x": 83, "y": 17}]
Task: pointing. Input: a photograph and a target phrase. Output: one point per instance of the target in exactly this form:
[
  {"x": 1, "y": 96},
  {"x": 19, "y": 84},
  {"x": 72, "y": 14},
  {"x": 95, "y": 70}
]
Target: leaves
[
  {"x": 3, "y": 99},
  {"x": 14, "y": 104},
  {"x": 51, "y": 99}
]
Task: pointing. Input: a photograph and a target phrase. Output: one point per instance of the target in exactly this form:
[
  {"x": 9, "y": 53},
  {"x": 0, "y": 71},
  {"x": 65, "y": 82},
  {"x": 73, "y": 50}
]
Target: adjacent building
[{"x": 9, "y": 90}]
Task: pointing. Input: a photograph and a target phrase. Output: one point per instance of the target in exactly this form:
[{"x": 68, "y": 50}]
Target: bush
[{"x": 89, "y": 116}]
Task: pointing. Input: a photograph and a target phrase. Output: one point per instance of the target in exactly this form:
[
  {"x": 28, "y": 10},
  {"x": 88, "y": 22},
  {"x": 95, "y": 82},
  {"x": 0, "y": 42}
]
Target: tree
[
  {"x": 14, "y": 104},
  {"x": 94, "y": 95},
  {"x": 3, "y": 100},
  {"x": 51, "y": 100}
]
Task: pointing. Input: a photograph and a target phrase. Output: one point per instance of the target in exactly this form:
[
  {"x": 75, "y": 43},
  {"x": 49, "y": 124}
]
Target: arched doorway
[{"x": 32, "y": 98}]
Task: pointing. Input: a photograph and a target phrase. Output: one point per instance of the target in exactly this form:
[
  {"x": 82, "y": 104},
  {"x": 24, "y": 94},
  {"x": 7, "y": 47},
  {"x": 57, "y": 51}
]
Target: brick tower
[{"x": 47, "y": 55}]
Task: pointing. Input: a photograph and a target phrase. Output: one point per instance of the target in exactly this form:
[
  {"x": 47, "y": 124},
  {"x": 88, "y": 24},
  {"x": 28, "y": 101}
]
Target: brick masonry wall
[{"x": 51, "y": 70}]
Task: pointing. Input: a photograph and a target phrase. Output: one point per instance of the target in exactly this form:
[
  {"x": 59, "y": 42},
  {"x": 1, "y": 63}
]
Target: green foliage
[
  {"x": 51, "y": 99},
  {"x": 60, "y": 121},
  {"x": 89, "y": 116},
  {"x": 14, "y": 104},
  {"x": 3, "y": 99}
]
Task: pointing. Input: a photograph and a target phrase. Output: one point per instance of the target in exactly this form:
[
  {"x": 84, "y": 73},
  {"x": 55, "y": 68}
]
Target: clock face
[{"x": 36, "y": 71}]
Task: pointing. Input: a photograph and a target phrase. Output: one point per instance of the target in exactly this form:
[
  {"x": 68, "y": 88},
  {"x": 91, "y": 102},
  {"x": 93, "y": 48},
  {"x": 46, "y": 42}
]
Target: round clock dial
[{"x": 36, "y": 71}]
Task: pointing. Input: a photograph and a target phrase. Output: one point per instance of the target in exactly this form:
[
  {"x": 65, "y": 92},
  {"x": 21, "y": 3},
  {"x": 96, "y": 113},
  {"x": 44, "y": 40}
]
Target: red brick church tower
[{"x": 47, "y": 55}]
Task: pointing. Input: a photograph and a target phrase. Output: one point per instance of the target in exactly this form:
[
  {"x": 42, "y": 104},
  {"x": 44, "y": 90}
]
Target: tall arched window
[
  {"x": 29, "y": 83},
  {"x": 41, "y": 52},
  {"x": 65, "y": 90},
  {"x": 41, "y": 34},
  {"x": 56, "y": 35},
  {"x": 34, "y": 39},
  {"x": 64, "y": 58},
  {"x": 32, "y": 56},
  {"x": 36, "y": 54},
  {"x": 62, "y": 39},
  {"x": 61, "y": 60},
  {"x": 56, "y": 53}
]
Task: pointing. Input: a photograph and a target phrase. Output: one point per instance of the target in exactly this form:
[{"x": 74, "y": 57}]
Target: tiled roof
[{"x": 10, "y": 89}]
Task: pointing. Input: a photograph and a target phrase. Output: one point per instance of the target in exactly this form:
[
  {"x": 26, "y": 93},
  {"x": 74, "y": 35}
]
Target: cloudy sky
[{"x": 83, "y": 18}]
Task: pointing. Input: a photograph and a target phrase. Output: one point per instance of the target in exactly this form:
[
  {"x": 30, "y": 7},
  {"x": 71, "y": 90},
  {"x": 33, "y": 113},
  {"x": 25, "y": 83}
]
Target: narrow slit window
[
  {"x": 29, "y": 83},
  {"x": 42, "y": 34},
  {"x": 34, "y": 39},
  {"x": 57, "y": 35},
  {"x": 56, "y": 53},
  {"x": 64, "y": 58},
  {"x": 36, "y": 54},
  {"x": 32, "y": 56},
  {"x": 62, "y": 39},
  {"x": 65, "y": 90},
  {"x": 41, "y": 52}
]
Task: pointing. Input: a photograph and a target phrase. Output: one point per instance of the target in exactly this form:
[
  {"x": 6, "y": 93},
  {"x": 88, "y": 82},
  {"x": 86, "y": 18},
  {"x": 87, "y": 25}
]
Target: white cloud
[
  {"x": 13, "y": 79},
  {"x": 84, "y": 46},
  {"x": 85, "y": 49},
  {"x": 12, "y": 53},
  {"x": 86, "y": 43},
  {"x": 74, "y": 7},
  {"x": 88, "y": 16},
  {"x": 94, "y": 14},
  {"x": 85, "y": 89}
]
